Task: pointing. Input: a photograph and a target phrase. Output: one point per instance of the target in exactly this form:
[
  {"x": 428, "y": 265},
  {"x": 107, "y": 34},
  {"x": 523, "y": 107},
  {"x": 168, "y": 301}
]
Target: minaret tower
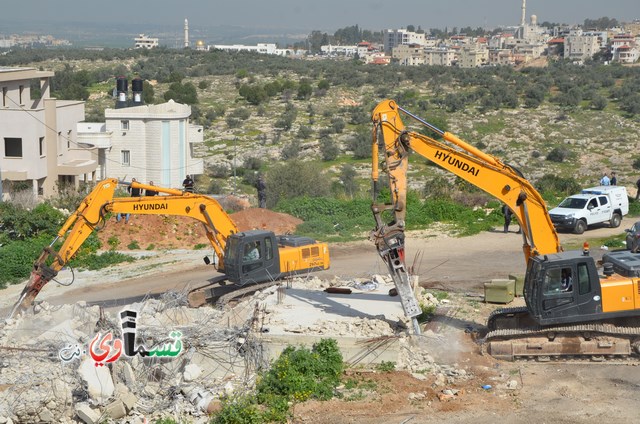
[
  {"x": 186, "y": 32},
  {"x": 522, "y": 18}
]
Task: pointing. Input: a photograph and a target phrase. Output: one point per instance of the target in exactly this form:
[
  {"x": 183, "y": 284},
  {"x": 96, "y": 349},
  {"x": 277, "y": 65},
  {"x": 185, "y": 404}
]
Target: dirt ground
[{"x": 542, "y": 393}]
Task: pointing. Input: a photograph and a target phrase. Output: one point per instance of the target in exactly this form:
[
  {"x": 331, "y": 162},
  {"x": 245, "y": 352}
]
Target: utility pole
[{"x": 235, "y": 142}]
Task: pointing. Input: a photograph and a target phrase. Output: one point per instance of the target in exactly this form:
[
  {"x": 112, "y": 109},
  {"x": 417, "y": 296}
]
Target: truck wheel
[
  {"x": 616, "y": 219},
  {"x": 580, "y": 227}
]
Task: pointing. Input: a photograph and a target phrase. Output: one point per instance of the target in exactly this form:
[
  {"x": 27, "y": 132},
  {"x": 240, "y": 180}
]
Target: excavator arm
[
  {"x": 395, "y": 142},
  {"x": 91, "y": 215}
]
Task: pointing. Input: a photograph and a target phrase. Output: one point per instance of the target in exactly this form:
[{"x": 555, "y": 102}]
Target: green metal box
[
  {"x": 499, "y": 291},
  {"x": 519, "y": 279}
]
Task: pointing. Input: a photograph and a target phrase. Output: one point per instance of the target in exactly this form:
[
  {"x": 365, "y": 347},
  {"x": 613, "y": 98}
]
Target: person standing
[
  {"x": 605, "y": 181},
  {"x": 614, "y": 179},
  {"x": 638, "y": 189},
  {"x": 506, "y": 211},
  {"x": 133, "y": 192},
  {"x": 150, "y": 192},
  {"x": 262, "y": 192},
  {"x": 187, "y": 183}
]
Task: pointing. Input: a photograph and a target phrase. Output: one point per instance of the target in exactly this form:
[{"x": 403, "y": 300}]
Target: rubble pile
[{"x": 48, "y": 372}]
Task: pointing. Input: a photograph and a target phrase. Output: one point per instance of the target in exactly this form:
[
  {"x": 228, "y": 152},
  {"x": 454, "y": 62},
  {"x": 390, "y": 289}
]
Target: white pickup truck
[{"x": 592, "y": 206}]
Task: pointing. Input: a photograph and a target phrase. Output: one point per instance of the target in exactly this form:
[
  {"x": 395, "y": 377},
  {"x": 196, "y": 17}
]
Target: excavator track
[{"x": 507, "y": 340}]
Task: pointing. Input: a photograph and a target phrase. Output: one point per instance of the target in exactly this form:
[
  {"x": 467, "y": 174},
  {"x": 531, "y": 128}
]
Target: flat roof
[{"x": 12, "y": 74}]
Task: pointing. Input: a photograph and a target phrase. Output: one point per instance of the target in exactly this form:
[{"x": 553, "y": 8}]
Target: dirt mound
[
  {"x": 264, "y": 219},
  {"x": 159, "y": 232}
]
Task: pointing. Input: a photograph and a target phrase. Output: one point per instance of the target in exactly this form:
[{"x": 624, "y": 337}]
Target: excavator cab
[
  {"x": 251, "y": 257},
  {"x": 562, "y": 286}
]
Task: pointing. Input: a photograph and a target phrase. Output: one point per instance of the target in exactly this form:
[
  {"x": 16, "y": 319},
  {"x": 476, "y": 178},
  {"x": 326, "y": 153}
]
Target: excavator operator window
[
  {"x": 584, "y": 284},
  {"x": 558, "y": 280},
  {"x": 268, "y": 249},
  {"x": 251, "y": 251}
]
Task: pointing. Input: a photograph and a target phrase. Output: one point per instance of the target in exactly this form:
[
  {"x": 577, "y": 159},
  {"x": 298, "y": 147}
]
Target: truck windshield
[{"x": 573, "y": 203}]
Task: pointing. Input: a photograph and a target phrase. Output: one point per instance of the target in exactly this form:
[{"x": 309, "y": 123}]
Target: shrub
[
  {"x": 386, "y": 366},
  {"x": 113, "y": 242},
  {"x": 557, "y": 185},
  {"x": 94, "y": 261},
  {"x": 133, "y": 245},
  {"x": 328, "y": 149},
  {"x": 558, "y": 154},
  {"x": 300, "y": 374}
]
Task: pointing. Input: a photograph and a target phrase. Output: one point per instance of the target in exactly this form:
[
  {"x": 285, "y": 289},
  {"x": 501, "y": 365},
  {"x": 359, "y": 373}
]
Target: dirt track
[{"x": 547, "y": 393}]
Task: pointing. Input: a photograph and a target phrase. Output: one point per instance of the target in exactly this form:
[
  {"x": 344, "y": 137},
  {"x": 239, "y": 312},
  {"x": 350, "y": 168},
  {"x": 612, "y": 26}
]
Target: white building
[
  {"x": 144, "y": 42},
  {"x": 397, "y": 37},
  {"x": 149, "y": 142},
  {"x": 624, "y": 48},
  {"x": 264, "y": 48},
  {"x": 38, "y": 137}
]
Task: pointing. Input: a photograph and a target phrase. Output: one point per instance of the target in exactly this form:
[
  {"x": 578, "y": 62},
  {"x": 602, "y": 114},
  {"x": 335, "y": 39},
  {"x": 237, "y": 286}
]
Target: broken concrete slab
[
  {"x": 86, "y": 414},
  {"x": 129, "y": 400},
  {"x": 98, "y": 380},
  {"x": 191, "y": 372},
  {"x": 116, "y": 409}
]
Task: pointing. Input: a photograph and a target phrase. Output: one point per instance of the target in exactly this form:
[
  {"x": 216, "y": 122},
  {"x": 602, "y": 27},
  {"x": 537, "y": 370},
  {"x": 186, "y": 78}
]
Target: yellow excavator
[
  {"x": 573, "y": 308},
  {"x": 247, "y": 257}
]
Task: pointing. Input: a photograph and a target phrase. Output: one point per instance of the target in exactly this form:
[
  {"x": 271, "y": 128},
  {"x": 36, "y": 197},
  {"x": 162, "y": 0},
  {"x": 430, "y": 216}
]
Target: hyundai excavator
[
  {"x": 256, "y": 256},
  {"x": 573, "y": 308}
]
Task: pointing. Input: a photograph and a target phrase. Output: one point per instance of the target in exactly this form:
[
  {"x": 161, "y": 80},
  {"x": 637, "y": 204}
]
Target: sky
[{"x": 323, "y": 15}]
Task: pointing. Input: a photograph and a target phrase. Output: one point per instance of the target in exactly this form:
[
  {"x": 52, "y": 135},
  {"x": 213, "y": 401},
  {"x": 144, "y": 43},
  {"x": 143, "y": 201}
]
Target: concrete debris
[
  {"x": 86, "y": 414},
  {"x": 129, "y": 400},
  {"x": 221, "y": 351},
  {"x": 97, "y": 379},
  {"x": 116, "y": 409},
  {"x": 191, "y": 372},
  {"x": 512, "y": 385}
]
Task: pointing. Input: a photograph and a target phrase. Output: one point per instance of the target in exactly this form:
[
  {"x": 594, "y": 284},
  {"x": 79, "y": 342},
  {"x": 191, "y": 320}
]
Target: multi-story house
[
  {"x": 144, "y": 42},
  {"x": 38, "y": 136},
  {"x": 624, "y": 48},
  {"x": 409, "y": 54},
  {"x": 397, "y": 37},
  {"x": 147, "y": 142},
  {"x": 473, "y": 56},
  {"x": 578, "y": 46}
]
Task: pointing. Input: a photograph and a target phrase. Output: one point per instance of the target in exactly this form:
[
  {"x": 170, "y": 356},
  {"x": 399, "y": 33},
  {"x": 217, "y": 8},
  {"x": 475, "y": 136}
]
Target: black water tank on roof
[
  {"x": 121, "y": 84},
  {"x": 136, "y": 85}
]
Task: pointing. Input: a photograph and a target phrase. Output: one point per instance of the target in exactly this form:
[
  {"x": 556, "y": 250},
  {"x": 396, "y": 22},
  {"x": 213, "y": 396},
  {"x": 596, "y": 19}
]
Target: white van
[{"x": 592, "y": 206}]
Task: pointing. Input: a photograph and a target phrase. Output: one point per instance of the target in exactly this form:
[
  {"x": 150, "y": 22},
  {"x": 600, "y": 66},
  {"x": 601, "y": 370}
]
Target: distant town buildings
[
  {"x": 31, "y": 40},
  {"x": 144, "y": 42}
]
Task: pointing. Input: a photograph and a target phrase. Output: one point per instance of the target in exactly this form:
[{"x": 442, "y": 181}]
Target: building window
[
  {"x": 21, "y": 91},
  {"x": 41, "y": 145},
  {"x": 12, "y": 147},
  {"x": 124, "y": 125},
  {"x": 126, "y": 157}
]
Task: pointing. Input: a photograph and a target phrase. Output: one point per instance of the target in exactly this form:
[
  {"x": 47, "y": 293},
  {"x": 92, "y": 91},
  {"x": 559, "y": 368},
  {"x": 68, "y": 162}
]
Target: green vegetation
[
  {"x": 26, "y": 232},
  {"x": 386, "y": 366},
  {"x": 297, "y": 375},
  {"x": 133, "y": 245}
]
